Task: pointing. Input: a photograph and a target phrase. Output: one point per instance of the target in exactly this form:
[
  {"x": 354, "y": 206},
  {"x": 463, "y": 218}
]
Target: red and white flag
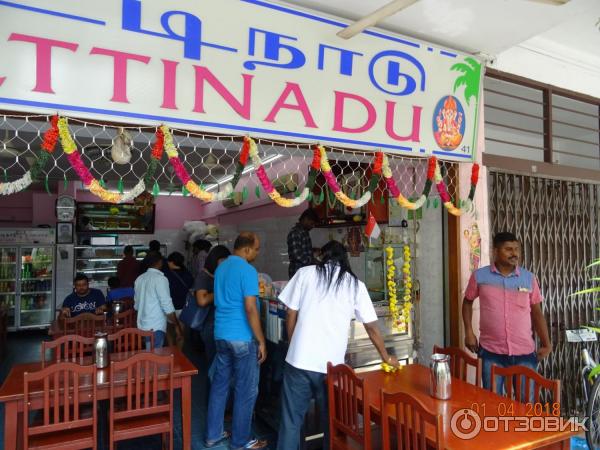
[{"x": 372, "y": 229}]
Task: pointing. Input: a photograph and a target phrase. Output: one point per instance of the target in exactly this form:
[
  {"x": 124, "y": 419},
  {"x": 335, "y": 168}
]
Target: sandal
[
  {"x": 256, "y": 443},
  {"x": 225, "y": 436}
]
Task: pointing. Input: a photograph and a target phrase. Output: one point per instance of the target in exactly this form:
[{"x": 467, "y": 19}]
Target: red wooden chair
[
  {"x": 125, "y": 319},
  {"x": 460, "y": 361},
  {"x": 85, "y": 324},
  {"x": 521, "y": 381},
  {"x": 68, "y": 348},
  {"x": 143, "y": 411},
  {"x": 130, "y": 340},
  {"x": 349, "y": 421},
  {"x": 410, "y": 421},
  {"x": 68, "y": 419}
]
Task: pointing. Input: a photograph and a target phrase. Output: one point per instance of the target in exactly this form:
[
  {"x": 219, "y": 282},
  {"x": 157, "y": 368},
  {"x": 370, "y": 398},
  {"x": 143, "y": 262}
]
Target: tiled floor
[{"x": 25, "y": 347}]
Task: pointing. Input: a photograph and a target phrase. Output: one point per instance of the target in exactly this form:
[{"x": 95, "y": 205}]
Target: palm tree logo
[{"x": 470, "y": 78}]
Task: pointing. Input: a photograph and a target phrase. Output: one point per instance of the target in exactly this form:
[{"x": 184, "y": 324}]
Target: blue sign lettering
[
  {"x": 191, "y": 37},
  {"x": 272, "y": 51},
  {"x": 346, "y": 58},
  {"x": 394, "y": 77}
]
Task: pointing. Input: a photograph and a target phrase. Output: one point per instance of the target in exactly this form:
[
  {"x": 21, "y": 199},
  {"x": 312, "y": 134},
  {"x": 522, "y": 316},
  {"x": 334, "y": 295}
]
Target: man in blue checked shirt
[{"x": 153, "y": 302}]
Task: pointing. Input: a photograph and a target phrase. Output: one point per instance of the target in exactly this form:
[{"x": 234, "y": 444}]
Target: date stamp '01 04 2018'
[{"x": 467, "y": 423}]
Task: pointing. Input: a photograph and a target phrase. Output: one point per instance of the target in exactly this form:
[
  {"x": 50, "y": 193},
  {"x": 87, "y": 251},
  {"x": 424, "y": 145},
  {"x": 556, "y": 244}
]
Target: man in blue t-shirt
[
  {"x": 117, "y": 293},
  {"x": 240, "y": 345},
  {"x": 83, "y": 299}
]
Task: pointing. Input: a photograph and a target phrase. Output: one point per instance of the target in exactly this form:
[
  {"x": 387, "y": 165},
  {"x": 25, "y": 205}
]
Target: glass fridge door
[
  {"x": 36, "y": 286},
  {"x": 8, "y": 288}
]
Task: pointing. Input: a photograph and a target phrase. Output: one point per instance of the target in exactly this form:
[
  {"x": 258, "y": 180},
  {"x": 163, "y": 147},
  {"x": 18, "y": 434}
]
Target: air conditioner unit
[
  {"x": 234, "y": 200},
  {"x": 286, "y": 183}
]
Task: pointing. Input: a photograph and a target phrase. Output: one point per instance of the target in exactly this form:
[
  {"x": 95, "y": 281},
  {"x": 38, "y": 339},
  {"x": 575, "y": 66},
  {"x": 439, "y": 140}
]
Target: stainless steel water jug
[
  {"x": 117, "y": 307},
  {"x": 101, "y": 350},
  {"x": 440, "y": 386}
]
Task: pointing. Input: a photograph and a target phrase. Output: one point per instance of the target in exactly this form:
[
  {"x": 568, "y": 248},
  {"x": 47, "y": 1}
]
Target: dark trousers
[{"x": 299, "y": 387}]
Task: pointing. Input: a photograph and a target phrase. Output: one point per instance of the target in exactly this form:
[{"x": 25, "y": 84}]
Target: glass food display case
[
  {"x": 99, "y": 263},
  {"x": 26, "y": 285}
]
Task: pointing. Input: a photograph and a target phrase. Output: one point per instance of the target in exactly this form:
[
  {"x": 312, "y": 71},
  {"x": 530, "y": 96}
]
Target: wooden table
[
  {"x": 414, "y": 379},
  {"x": 11, "y": 393}
]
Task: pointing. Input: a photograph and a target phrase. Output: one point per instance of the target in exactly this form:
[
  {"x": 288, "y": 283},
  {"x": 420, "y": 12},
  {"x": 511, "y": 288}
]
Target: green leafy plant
[
  {"x": 592, "y": 290},
  {"x": 470, "y": 78}
]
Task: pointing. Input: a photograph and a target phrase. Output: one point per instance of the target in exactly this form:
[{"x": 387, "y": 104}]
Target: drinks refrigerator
[{"x": 27, "y": 285}]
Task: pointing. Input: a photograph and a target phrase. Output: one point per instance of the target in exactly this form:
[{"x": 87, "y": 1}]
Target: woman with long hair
[
  {"x": 322, "y": 300},
  {"x": 205, "y": 297}
]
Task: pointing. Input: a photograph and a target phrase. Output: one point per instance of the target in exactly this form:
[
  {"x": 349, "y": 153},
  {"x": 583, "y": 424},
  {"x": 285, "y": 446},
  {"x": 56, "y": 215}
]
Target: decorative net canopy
[{"x": 210, "y": 160}]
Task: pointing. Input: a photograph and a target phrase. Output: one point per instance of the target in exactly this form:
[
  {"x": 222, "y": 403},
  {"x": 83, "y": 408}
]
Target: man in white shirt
[
  {"x": 153, "y": 302},
  {"x": 322, "y": 300}
]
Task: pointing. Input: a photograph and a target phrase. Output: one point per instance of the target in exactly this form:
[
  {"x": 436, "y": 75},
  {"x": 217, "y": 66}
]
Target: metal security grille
[{"x": 557, "y": 224}]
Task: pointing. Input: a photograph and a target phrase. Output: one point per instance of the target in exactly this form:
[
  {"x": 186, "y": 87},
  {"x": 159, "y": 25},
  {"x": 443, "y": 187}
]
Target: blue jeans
[
  {"x": 235, "y": 360},
  {"x": 299, "y": 386},
  {"x": 489, "y": 358},
  {"x": 159, "y": 339}
]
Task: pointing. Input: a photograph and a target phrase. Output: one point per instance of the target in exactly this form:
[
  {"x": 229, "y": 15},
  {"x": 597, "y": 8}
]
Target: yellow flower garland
[
  {"x": 391, "y": 287},
  {"x": 407, "y": 285}
]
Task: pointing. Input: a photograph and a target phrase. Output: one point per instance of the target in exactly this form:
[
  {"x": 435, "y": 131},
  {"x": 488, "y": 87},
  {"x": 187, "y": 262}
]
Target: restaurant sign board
[{"x": 238, "y": 67}]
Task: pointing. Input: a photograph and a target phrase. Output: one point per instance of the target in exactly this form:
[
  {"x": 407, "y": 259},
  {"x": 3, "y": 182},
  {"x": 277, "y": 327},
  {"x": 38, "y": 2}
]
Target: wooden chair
[
  {"x": 520, "y": 381},
  {"x": 68, "y": 419},
  {"x": 143, "y": 411},
  {"x": 125, "y": 319},
  {"x": 130, "y": 340},
  {"x": 68, "y": 348},
  {"x": 349, "y": 421},
  {"x": 460, "y": 361},
  {"x": 85, "y": 324},
  {"x": 411, "y": 422}
]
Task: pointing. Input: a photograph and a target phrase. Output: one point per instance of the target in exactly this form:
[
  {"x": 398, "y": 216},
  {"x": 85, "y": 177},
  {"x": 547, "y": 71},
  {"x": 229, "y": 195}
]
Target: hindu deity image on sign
[{"x": 448, "y": 123}]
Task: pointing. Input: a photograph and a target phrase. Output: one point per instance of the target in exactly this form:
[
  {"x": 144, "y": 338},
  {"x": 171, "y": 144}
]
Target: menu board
[
  {"x": 109, "y": 217},
  {"x": 27, "y": 236}
]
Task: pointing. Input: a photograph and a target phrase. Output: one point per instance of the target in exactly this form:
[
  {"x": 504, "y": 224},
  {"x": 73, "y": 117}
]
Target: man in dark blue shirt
[
  {"x": 83, "y": 299},
  {"x": 300, "y": 250}
]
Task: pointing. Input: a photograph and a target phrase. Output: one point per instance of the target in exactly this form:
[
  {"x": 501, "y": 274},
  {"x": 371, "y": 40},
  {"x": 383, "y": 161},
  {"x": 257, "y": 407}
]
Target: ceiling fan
[{"x": 398, "y": 5}]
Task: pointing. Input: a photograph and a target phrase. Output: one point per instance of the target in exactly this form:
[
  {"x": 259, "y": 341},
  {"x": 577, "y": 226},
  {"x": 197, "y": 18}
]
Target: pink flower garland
[
  {"x": 264, "y": 179},
  {"x": 80, "y": 168},
  {"x": 180, "y": 171},
  {"x": 331, "y": 181}
]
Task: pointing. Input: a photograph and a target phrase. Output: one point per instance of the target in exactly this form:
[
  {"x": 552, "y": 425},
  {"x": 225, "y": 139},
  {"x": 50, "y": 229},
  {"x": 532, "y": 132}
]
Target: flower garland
[
  {"x": 407, "y": 284},
  {"x": 184, "y": 176},
  {"x": 268, "y": 186},
  {"x": 241, "y": 163},
  {"x": 391, "y": 287},
  {"x": 443, "y": 191},
  {"x": 393, "y": 187},
  {"x": 74, "y": 157},
  {"x": 334, "y": 186},
  {"x": 47, "y": 147}
]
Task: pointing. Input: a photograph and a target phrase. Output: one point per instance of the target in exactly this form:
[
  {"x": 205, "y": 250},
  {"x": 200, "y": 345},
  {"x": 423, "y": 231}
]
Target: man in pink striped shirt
[{"x": 510, "y": 309}]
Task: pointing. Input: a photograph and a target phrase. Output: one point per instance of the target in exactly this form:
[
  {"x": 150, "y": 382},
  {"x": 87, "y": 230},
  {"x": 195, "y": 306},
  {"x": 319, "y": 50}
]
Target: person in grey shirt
[{"x": 153, "y": 302}]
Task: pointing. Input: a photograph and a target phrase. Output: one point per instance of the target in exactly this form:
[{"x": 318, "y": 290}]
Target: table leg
[
  {"x": 186, "y": 412},
  {"x": 11, "y": 428}
]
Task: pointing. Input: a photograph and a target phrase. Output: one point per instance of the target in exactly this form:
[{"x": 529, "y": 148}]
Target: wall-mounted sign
[
  {"x": 237, "y": 67},
  {"x": 27, "y": 236}
]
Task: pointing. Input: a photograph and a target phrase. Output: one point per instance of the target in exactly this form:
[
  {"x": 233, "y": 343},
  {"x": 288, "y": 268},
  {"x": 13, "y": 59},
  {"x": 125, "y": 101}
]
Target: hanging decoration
[
  {"x": 268, "y": 186},
  {"x": 393, "y": 187},
  {"x": 183, "y": 175},
  {"x": 242, "y": 161},
  {"x": 407, "y": 286},
  {"x": 47, "y": 147},
  {"x": 121, "y": 148},
  {"x": 335, "y": 187},
  {"x": 94, "y": 186},
  {"x": 467, "y": 205},
  {"x": 391, "y": 286}
]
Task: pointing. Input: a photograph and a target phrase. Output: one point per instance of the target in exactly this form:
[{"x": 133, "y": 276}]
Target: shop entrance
[{"x": 557, "y": 223}]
